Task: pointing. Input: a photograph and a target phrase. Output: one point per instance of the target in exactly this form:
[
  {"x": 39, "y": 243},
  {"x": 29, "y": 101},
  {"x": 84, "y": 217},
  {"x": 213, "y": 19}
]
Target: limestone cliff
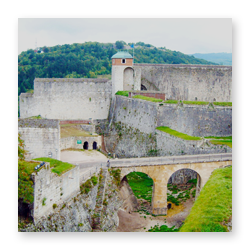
[{"x": 76, "y": 215}]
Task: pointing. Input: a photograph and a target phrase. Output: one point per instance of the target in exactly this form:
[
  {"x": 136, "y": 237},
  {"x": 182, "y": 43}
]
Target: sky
[{"x": 187, "y": 35}]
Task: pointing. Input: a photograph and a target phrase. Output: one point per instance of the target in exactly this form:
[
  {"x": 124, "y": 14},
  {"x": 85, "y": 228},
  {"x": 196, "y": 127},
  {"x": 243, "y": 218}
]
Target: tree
[
  {"x": 45, "y": 50},
  {"x": 119, "y": 44}
]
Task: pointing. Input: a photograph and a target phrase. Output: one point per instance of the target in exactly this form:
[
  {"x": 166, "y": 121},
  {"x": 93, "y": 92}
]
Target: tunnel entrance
[
  {"x": 85, "y": 145},
  {"x": 143, "y": 87},
  {"x": 94, "y": 145}
]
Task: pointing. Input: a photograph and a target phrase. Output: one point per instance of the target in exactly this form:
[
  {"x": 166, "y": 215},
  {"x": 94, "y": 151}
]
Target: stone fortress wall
[
  {"x": 67, "y": 98},
  {"x": 187, "y": 82},
  {"x": 41, "y": 137},
  {"x": 133, "y": 124},
  {"x": 195, "y": 120},
  {"x": 49, "y": 188}
]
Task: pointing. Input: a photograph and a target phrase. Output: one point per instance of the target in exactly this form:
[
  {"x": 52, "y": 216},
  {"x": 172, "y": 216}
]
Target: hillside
[
  {"x": 88, "y": 60},
  {"x": 212, "y": 211},
  {"x": 220, "y": 58}
]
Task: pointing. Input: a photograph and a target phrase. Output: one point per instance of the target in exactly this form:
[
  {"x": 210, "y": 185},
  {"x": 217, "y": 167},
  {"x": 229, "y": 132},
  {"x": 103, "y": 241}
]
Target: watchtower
[{"x": 122, "y": 72}]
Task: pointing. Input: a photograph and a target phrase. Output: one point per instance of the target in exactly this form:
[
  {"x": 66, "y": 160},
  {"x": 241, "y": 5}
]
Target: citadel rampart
[
  {"x": 67, "y": 98},
  {"x": 186, "y": 82},
  {"x": 41, "y": 137},
  {"x": 195, "y": 120},
  {"x": 133, "y": 122}
]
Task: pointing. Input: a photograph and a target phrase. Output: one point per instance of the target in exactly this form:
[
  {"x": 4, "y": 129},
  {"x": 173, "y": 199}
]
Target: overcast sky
[{"x": 187, "y": 35}]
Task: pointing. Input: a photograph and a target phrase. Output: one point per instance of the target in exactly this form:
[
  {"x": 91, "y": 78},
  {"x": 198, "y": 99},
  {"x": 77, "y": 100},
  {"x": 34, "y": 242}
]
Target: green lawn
[
  {"x": 227, "y": 140},
  {"x": 141, "y": 184},
  {"x": 171, "y": 101},
  {"x": 122, "y": 93},
  {"x": 25, "y": 183},
  {"x": 223, "y": 103},
  {"x": 213, "y": 207},
  {"x": 178, "y": 134},
  {"x": 146, "y": 98},
  {"x": 57, "y": 167},
  {"x": 196, "y": 102}
]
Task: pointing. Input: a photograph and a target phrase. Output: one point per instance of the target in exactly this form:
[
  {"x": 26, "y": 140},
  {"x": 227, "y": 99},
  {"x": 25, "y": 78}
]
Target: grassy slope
[
  {"x": 227, "y": 140},
  {"x": 196, "y": 102},
  {"x": 171, "y": 101},
  {"x": 146, "y": 98},
  {"x": 177, "y": 134},
  {"x": 122, "y": 93},
  {"x": 213, "y": 206},
  {"x": 223, "y": 104},
  {"x": 58, "y": 167},
  {"x": 141, "y": 184}
]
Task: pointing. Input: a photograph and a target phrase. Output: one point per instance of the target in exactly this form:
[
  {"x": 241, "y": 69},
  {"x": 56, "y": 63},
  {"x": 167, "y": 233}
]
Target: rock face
[
  {"x": 129, "y": 200},
  {"x": 182, "y": 176},
  {"x": 76, "y": 215}
]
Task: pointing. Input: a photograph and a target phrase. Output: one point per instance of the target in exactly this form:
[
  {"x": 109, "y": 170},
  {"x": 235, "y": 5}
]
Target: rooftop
[{"x": 122, "y": 54}]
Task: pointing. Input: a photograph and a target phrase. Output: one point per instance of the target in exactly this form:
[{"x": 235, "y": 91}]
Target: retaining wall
[
  {"x": 195, "y": 120},
  {"x": 77, "y": 142},
  {"x": 49, "y": 189}
]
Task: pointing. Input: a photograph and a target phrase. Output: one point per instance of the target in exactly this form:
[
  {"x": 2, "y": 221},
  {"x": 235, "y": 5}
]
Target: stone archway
[
  {"x": 86, "y": 145},
  {"x": 143, "y": 87},
  {"x": 184, "y": 180},
  {"x": 94, "y": 145}
]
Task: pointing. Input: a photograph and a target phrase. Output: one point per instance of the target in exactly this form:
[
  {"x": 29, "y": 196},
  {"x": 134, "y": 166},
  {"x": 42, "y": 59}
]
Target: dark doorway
[
  {"x": 94, "y": 145},
  {"x": 143, "y": 87},
  {"x": 85, "y": 145}
]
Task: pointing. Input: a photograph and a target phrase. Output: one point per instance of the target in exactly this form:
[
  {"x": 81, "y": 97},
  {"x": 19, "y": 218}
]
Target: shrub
[
  {"x": 44, "y": 201},
  {"x": 163, "y": 228},
  {"x": 194, "y": 181},
  {"x": 54, "y": 206}
]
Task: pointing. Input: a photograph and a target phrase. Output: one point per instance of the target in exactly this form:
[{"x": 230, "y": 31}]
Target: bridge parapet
[{"x": 170, "y": 160}]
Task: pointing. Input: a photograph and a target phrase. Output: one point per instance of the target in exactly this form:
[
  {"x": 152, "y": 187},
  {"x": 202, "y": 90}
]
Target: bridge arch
[
  {"x": 182, "y": 176},
  {"x": 129, "y": 180},
  {"x": 161, "y": 174}
]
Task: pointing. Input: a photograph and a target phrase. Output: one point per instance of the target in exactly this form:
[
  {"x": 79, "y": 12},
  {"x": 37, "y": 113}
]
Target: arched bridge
[{"x": 160, "y": 170}]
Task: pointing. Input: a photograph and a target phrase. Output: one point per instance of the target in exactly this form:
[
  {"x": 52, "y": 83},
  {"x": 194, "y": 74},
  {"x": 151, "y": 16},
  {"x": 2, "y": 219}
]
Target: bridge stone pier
[{"x": 160, "y": 170}]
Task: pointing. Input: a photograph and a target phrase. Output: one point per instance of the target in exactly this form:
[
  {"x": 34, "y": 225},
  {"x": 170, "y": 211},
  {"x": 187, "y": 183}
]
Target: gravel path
[{"x": 77, "y": 157}]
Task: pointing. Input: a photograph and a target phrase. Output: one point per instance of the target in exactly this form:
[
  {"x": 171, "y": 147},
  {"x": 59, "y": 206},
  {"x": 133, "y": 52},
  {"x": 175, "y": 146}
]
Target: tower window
[{"x": 123, "y": 60}]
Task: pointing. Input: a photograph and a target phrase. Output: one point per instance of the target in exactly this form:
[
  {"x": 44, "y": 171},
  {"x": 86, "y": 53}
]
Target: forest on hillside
[{"x": 88, "y": 60}]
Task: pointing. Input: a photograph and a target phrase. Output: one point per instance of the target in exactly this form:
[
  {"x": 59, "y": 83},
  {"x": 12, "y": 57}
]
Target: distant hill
[
  {"x": 88, "y": 60},
  {"x": 220, "y": 58}
]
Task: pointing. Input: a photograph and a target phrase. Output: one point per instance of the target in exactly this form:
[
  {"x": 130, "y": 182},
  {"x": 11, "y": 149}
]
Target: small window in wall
[{"x": 123, "y": 60}]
